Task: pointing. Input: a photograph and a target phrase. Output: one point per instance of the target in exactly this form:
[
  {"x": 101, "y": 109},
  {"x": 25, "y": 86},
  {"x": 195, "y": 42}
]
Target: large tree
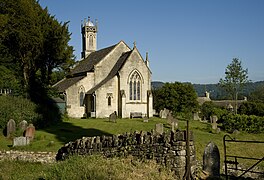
[
  {"x": 32, "y": 42},
  {"x": 177, "y": 97},
  {"x": 235, "y": 79}
]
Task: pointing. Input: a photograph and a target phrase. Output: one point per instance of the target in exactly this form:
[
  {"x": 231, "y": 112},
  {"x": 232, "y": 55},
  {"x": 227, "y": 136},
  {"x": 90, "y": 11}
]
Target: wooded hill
[{"x": 216, "y": 92}]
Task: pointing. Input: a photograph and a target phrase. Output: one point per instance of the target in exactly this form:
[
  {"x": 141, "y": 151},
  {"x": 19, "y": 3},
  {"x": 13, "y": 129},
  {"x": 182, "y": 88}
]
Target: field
[{"x": 52, "y": 138}]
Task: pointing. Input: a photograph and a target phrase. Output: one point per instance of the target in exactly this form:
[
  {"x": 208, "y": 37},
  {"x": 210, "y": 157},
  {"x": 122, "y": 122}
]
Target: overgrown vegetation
[
  {"x": 91, "y": 167},
  {"x": 17, "y": 108}
]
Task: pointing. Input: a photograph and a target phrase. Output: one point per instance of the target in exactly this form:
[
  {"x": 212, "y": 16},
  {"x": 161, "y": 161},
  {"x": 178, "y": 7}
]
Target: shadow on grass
[{"x": 66, "y": 132}]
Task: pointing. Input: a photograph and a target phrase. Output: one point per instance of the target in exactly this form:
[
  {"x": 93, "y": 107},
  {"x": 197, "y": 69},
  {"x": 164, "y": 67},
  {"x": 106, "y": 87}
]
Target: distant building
[
  {"x": 228, "y": 104},
  {"x": 115, "y": 78}
]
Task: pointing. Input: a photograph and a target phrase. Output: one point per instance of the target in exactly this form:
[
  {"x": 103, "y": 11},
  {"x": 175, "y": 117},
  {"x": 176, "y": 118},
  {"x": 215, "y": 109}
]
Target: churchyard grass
[
  {"x": 91, "y": 167},
  {"x": 54, "y": 137}
]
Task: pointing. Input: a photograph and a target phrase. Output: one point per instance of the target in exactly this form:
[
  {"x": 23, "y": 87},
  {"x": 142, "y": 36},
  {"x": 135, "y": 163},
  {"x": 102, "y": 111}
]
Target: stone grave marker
[
  {"x": 21, "y": 141},
  {"x": 11, "y": 127},
  {"x": 30, "y": 132},
  {"x": 23, "y": 125},
  {"x": 214, "y": 124},
  {"x": 113, "y": 117},
  {"x": 211, "y": 160},
  {"x": 196, "y": 116},
  {"x": 159, "y": 128},
  {"x": 164, "y": 113},
  {"x": 145, "y": 119}
]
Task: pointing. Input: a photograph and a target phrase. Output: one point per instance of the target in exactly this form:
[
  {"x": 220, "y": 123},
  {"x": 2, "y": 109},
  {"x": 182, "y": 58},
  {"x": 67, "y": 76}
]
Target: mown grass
[
  {"x": 90, "y": 167},
  {"x": 54, "y": 137}
]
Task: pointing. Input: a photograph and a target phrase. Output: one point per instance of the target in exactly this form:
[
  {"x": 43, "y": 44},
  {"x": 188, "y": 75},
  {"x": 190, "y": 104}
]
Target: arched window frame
[{"x": 135, "y": 82}]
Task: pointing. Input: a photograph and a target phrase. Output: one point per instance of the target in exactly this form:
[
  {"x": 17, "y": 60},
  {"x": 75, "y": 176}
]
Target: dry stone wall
[
  {"x": 42, "y": 157},
  {"x": 168, "y": 149}
]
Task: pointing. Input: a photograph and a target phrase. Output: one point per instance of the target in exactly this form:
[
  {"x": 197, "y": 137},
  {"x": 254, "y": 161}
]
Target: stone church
[{"x": 112, "y": 79}]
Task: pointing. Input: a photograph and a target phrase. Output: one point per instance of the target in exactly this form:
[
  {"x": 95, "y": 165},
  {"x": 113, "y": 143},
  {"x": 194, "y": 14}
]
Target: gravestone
[
  {"x": 214, "y": 124},
  {"x": 11, "y": 127},
  {"x": 113, "y": 117},
  {"x": 21, "y": 141},
  {"x": 23, "y": 125},
  {"x": 30, "y": 132},
  {"x": 159, "y": 128},
  {"x": 196, "y": 116},
  {"x": 145, "y": 119},
  {"x": 211, "y": 160},
  {"x": 164, "y": 113},
  {"x": 172, "y": 121}
]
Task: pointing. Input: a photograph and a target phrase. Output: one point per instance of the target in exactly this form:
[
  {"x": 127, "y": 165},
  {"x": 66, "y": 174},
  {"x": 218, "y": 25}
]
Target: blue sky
[{"x": 187, "y": 40}]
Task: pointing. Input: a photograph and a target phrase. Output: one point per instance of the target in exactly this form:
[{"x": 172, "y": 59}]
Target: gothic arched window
[{"x": 135, "y": 86}]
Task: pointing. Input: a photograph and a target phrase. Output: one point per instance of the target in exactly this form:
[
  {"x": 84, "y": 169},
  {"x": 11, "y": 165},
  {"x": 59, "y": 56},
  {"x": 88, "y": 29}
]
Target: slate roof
[
  {"x": 113, "y": 72},
  {"x": 88, "y": 63},
  {"x": 67, "y": 82}
]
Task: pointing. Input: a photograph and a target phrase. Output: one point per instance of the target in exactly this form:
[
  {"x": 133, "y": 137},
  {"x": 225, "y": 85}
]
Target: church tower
[{"x": 89, "y": 37}]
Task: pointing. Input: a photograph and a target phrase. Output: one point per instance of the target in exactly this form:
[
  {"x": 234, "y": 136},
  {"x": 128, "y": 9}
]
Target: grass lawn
[{"x": 72, "y": 129}]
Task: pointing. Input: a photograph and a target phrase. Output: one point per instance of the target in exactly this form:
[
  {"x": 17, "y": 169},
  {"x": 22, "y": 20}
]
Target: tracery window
[{"x": 135, "y": 87}]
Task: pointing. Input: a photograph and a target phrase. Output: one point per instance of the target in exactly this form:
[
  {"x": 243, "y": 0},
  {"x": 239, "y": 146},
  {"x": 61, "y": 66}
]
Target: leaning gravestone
[
  {"x": 211, "y": 160},
  {"x": 23, "y": 125},
  {"x": 159, "y": 128},
  {"x": 30, "y": 132},
  {"x": 21, "y": 141},
  {"x": 11, "y": 127}
]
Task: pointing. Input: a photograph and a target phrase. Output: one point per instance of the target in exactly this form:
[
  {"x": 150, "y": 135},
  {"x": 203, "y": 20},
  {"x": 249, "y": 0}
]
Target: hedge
[{"x": 250, "y": 124}]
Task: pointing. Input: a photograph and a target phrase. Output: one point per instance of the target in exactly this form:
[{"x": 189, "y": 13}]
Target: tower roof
[{"x": 89, "y": 23}]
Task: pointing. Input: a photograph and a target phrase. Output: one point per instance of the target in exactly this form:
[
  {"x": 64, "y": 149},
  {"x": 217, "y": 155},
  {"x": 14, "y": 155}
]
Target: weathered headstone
[
  {"x": 214, "y": 124},
  {"x": 145, "y": 119},
  {"x": 196, "y": 116},
  {"x": 113, "y": 117},
  {"x": 159, "y": 128},
  {"x": 211, "y": 160},
  {"x": 30, "y": 132},
  {"x": 21, "y": 141},
  {"x": 11, "y": 127},
  {"x": 172, "y": 121},
  {"x": 164, "y": 113},
  {"x": 23, "y": 125}
]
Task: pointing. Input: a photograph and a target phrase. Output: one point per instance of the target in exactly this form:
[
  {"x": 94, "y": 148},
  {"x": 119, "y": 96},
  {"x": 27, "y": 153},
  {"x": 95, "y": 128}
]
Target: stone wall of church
[
  {"x": 135, "y": 63},
  {"x": 110, "y": 89},
  {"x": 74, "y": 108},
  {"x": 103, "y": 68}
]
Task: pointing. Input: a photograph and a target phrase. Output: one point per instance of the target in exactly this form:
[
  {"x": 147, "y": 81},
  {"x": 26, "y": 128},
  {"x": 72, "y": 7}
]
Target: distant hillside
[{"x": 217, "y": 92}]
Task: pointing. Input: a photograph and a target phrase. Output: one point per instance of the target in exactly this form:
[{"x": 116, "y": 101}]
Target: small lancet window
[{"x": 109, "y": 100}]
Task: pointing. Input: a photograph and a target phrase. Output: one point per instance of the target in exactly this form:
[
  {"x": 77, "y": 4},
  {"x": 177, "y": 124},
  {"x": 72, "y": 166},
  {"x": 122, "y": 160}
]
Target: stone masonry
[{"x": 168, "y": 149}]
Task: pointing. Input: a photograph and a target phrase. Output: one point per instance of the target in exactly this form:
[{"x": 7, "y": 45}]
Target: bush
[
  {"x": 251, "y": 108},
  {"x": 209, "y": 109},
  {"x": 17, "y": 108},
  {"x": 250, "y": 124}
]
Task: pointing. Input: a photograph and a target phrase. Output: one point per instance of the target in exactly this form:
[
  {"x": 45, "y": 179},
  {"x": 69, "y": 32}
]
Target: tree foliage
[
  {"x": 33, "y": 42},
  {"x": 235, "y": 78},
  {"x": 177, "y": 97}
]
